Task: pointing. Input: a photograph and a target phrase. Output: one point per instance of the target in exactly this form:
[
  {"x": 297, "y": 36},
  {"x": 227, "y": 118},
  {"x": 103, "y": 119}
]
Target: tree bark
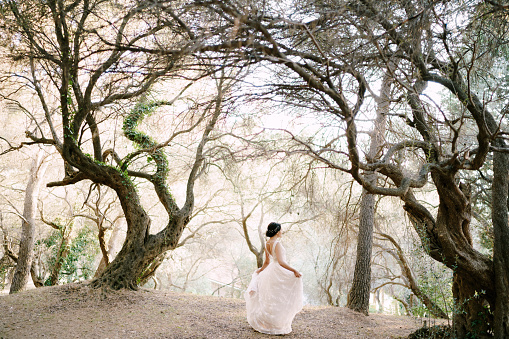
[
  {"x": 501, "y": 244},
  {"x": 26, "y": 246},
  {"x": 358, "y": 296},
  {"x": 102, "y": 242},
  {"x": 150, "y": 271}
]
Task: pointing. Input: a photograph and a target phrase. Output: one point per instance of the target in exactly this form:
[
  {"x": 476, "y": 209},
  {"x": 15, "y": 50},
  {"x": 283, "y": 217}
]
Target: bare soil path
[{"x": 77, "y": 311}]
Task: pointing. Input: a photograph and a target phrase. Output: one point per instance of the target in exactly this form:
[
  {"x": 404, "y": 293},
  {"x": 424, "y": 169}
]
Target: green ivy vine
[{"x": 143, "y": 141}]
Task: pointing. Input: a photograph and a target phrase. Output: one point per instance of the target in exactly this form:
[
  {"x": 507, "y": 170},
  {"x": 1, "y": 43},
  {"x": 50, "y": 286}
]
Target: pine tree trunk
[
  {"x": 26, "y": 246},
  {"x": 358, "y": 296},
  {"x": 501, "y": 245}
]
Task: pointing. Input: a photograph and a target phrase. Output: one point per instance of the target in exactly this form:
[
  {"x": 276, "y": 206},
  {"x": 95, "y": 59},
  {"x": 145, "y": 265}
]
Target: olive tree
[{"x": 89, "y": 63}]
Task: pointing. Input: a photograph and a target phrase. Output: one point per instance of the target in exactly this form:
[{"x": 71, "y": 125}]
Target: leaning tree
[
  {"x": 330, "y": 55},
  {"x": 90, "y": 63}
]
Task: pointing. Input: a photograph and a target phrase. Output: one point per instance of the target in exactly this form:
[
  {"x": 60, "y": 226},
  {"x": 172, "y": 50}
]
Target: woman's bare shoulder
[{"x": 277, "y": 244}]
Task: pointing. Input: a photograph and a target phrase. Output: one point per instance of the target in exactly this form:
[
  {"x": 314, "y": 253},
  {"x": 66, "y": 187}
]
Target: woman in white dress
[{"x": 274, "y": 295}]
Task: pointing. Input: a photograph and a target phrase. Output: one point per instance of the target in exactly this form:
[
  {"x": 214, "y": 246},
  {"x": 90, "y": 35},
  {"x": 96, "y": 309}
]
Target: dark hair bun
[{"x": 272, "y": 229}]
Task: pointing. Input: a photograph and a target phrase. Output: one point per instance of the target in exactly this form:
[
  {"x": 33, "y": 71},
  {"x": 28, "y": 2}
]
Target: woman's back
[{"x": 271, "y": 248}]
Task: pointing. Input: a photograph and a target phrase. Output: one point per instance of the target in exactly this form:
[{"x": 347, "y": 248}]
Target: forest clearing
[
  {"x": 174, "y": 152},
  {"x": 77, "y": 311}
]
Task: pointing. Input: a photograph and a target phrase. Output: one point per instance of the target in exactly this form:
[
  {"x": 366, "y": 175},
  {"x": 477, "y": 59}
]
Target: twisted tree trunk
[
  {"x": 142, "y": 249},
  {"x": 448, "y": 240}
]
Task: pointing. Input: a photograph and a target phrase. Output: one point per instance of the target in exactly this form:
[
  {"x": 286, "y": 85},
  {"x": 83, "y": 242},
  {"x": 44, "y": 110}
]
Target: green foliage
[
  {"x": 142, "y": 141},
  {"x": 435, "y": 280},
  {"x": 434, "y": 332},
  {"x": 135, "y": 117},
  {"x": 78, "y": 264},
  {"x": 436, "y": 284},
  {"x": 481, "y": 319}
]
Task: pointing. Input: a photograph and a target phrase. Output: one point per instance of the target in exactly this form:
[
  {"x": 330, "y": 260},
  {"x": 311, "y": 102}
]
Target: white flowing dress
[{"x": 273, "y": 297}]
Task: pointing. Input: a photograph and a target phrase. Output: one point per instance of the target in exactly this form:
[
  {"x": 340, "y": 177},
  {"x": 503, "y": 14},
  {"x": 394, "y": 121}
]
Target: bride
[{"x": 274, "y": 294}]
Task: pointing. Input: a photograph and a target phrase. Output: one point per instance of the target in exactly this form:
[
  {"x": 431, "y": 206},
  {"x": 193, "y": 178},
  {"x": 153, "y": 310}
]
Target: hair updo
[{"x": 272, "y": 229}]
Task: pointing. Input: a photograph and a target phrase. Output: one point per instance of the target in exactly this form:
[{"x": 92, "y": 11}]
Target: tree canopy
[{"x": 90, "y": 63}]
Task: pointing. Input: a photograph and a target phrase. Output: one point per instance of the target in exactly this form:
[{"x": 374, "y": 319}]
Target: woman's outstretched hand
[{"x": 297, "y": 274}]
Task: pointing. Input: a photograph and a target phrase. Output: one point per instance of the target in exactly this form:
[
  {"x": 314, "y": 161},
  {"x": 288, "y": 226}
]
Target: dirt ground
[{"x": 77, "y": 311}]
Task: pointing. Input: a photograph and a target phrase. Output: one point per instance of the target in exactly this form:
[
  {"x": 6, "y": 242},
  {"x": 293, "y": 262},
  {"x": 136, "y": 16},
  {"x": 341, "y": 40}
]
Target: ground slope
[{"x": 76, "y": 311}]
